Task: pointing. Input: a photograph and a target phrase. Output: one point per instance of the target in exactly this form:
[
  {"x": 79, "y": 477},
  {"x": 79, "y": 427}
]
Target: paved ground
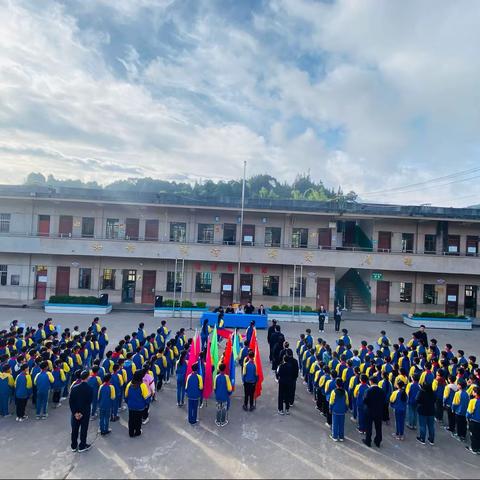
[{"x": 254, "y": 445}]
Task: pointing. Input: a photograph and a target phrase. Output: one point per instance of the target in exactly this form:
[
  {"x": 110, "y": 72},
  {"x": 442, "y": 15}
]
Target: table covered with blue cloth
[{"x": 236, "y": 320}]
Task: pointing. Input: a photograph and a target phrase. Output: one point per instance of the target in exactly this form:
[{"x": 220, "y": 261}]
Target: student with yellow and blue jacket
[
  {"x": 222, "y": 386},
  {"x": 137, "y": 397},
  {"x": 106, "y": 398},
  {"x": 117, "y": 381},
  {"x": 194, "y": 389},
  {"x": 43, "y": 381},
  {"x": 473, "y": 417},
  {"x": 6, "y": 390},
  {"x": 459, "y": 407},
  {"x": 338, "y": 408},
  {"x": 412, "y": 390},
  {"x": 398, "y": 401},
  {"x": 359, "y": 394},
  {"x": 23, "y": 390}
]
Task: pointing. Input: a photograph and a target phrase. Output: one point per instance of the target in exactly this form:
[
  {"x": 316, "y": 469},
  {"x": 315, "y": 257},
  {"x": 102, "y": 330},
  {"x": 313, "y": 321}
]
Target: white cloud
[{"x": 400, "y": 84}]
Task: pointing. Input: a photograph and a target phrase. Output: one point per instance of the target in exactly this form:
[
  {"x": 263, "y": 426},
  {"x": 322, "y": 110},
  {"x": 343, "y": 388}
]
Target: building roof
[{"x": 335, "y": 207}]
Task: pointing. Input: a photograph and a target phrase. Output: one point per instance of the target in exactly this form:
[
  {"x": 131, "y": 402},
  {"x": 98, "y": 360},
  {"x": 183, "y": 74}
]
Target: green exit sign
[{"x": 377, "y": 276}]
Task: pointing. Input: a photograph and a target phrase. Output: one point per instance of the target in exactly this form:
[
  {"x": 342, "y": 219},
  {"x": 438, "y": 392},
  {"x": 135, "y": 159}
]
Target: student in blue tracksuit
[
  {"x": 473, "y": 417},
  {"x": 194, "y": 389},
  {"x": 338, "y": 408},
  {"x": 23, "y": 389},
  {"x": 250, "y": 378},
  {"x": 412, "y": 390},
  {"x": 117, "y": 382},
  {"x": 137, "y": 397},
  {"x": 398, "y": 401},
  {"x": 94, "y": 381},
  {"x": 359, "y": 394},
  {"x": 6, "y": 390},
  {"x": 222, "y": 387},
  {"x": 102, "y": 342},
  {"x": 181, "y": 374},
  {"x": 106, "y": 397},
  {"x": 204, "y": 334},
  {"x": 43, "y": 381},
  {"x": 459, "y": 407}
]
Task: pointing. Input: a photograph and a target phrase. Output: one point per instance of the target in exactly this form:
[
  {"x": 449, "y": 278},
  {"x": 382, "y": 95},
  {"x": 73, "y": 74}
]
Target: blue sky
[{"x": 365, "y": 94}]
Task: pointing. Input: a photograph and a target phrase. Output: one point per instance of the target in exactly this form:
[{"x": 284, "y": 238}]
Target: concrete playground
[{"x": 261, "y": 444}]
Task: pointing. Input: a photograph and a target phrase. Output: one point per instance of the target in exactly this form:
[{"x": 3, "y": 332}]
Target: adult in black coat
[
  {"x": 270, "y": 333},
  {"x": 293, "y": 362},
  {"x": 422, "y": 335},
  {"x": 284, "y": 375},
  {"x": 374, "y": 402},
  {"x": 81, "y": 397},
  {"x": 426, "y": 412},
  {"x": 279, "y": 340}
]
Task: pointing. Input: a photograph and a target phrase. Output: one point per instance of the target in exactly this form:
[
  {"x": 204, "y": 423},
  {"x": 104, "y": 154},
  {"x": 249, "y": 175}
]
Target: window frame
[
  {"x": 271, "y": 242},
  {"x": 84, "y": 273},
  {"x": 406, "y": 296},
  {"x": 5, "y": 222},
  {"x": 297, "y": 234},
  {"x": 111, "y": 283},
  {"x": 206, "y": 227},
  {"x": 268, "y": 286},
  {"x": 200, "y": 285},
  {"x": 174, "y": 234}
]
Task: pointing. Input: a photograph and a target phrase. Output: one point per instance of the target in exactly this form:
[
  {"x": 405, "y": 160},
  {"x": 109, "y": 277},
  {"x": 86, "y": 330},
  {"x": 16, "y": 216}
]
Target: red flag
[
  {"x": 227, "y": 355},
  {"x": 192, "y": 355},
  {"x": 198, "y": 345},
  {"x": 208, "y": 387},
  {"x": 223, "y": 332},
  {"x": 258, "y": 363}
]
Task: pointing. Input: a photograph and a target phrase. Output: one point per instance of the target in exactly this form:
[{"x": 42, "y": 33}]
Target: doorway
[
  {"x": 451, "y": 302},
  {"x": 41, "y": 282},
  {"x": 128, "y": 286},
  {"x": 148, "y": 286},
  {"x": 383, "y": 296},
  {"x": 471, "y": 300},
  {"x": 226, "y": 289},
  {"x": 246, "y": 285},
  {"x": 323, "y": 292},
  {"x": 44, "y": 225},
  {"x": 62, "y": 286}
]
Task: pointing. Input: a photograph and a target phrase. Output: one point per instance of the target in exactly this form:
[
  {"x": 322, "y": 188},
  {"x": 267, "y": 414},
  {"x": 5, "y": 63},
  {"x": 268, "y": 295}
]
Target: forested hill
[{"x": 258, "y": 186}]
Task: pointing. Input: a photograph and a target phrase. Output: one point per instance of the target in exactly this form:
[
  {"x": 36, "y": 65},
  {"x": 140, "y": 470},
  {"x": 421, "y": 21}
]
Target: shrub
[
  {"x": 187, "y": 304},
  {"x": 275, "y": 308},
  {"x": 201, "y": 304},
  {"x": 169, "y": 303},
  {"x": 437, "y": 315},
  {"x": 72, "y": 300}
]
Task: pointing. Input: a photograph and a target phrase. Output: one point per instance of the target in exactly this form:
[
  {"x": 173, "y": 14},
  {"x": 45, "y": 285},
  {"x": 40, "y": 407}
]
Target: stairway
[{"x": 354, "y": 301}]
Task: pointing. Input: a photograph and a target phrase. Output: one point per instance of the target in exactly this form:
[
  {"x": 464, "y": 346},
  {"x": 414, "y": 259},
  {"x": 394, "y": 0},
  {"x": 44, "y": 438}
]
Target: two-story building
[{"x": 133, "y": 246}]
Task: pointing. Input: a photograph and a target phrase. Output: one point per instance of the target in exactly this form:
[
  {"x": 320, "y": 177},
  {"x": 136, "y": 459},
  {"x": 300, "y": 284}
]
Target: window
[
  {"x": 5, "y": 222},
  {"x": 171, "y": 281},
  {"x": 132, "y": 226},
  {"x": 300, "y": 285},
  {"x": 270, "y": 285},
  {"x": 178, "y": 232},
  {"x": 15, "y": 280},
  {"x": 203, "y": 282},
  {"x": 453, "y": 244},
  {"x": 407, "y": 242},
  {"x": 300, "y": 238},
  {"x": 430, "y": 243},
  {"x": 248, "y": 235},
  {"x": 405, "y": 292},
  {"x": 108, "y": 279},
  {"x": 65, "y": 226},
  {"x": 273, "y": 236},
  {"x": 84, "y": 278},
  {"x": 131, "y": 275},
  {"x": 472, "y": 245},
  {"x": 151, "y": 230},
  {"x": 229, "y": 233},
  {"x": 88, "y": 227},
  {"x": 205, "y": 233},
  {"x": 113, "y": 226},
  {"x": 3, "y": 275},
  {"x": 429, "y": 294},
  {"x": 324, "y": 238}
]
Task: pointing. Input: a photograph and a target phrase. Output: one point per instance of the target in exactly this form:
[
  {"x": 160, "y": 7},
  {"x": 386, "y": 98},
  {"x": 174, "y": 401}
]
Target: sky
[{"x": 379, "y": 97}]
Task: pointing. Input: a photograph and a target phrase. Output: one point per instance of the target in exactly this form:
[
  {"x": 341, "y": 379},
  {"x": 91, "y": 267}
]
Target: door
[
  {"x": 151, "y": 230},
  {"x": 472, "y": 245},
  {"x": 383, "y": 296},
  {"x": 248, "y": 235},
  {"x": 323, "y": 292},
  {"x": 470, "y": 300},
  {"x": 229, "y": 233},
  {"x": 226, "y": 289},
  {"x": 246, "y": 285},
  {"x": 131, "y": 228},
  {"x": 148, "y": 286},
  {"x": 41, "y": 283},
  {"x": 128, "y": 286},
  {"x": 65, "y": 226},
  {"x": 44, "y": 225},
  {"x": 325, "y": 238},
  {"x": 451, "y": 302},
  {"x": 349, "y": 235},
  {"x": 62, "y": 285},
  {"x": 384, "y": 241}
]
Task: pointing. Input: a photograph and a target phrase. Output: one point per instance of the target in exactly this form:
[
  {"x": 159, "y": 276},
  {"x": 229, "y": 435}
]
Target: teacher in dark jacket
[
  {"x": 270, "y": 336},
  {"x": 426, "y": 412},
  {"x": 81, "y": 397},
  {"x": 374, "y": 404}
]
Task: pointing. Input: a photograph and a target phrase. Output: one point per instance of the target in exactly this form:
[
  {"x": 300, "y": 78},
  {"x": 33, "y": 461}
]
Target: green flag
[{"x": 214, "y": 350}]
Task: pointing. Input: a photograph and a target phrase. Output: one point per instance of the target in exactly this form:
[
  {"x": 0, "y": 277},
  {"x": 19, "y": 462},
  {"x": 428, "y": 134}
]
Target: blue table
[{"x": 234, "y": 320}]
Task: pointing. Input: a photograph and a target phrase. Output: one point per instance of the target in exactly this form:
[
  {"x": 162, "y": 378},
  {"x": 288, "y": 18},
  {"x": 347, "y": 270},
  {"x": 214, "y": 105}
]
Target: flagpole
[{"x": 241, "y": 230}]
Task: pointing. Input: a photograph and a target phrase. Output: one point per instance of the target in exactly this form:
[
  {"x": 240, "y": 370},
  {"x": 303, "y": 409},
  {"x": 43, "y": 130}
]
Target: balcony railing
[{"x": 257, "y": 244}]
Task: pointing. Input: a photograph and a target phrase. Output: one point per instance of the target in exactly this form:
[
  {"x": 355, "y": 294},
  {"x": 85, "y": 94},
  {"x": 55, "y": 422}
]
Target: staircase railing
[
  {"x": 362, "y": 240},
  {"x": 352, "y": 276}
]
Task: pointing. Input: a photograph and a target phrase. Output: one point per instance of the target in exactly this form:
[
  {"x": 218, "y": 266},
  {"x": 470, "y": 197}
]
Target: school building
[{"x": 133, "y": 246}]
